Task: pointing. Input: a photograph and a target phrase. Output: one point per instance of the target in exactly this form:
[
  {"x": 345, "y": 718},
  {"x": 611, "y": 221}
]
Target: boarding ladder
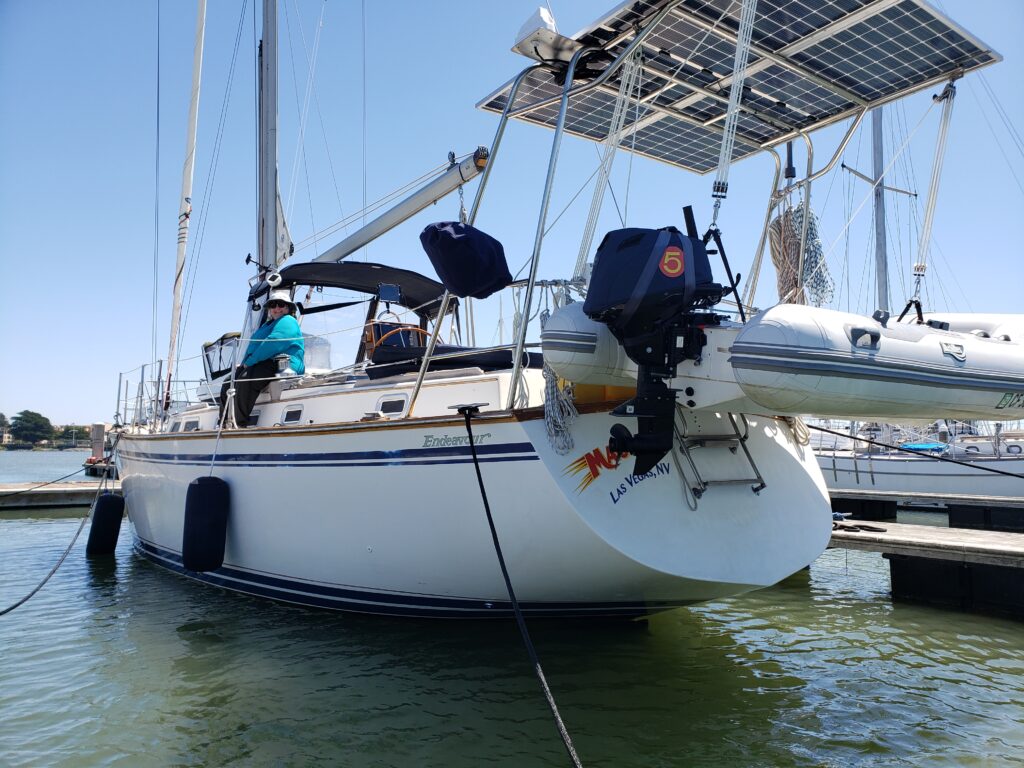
[{"x": 734, "y": 441}]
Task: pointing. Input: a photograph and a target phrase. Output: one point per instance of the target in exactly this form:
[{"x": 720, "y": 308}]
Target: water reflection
[{"x": 123, "y": 663}]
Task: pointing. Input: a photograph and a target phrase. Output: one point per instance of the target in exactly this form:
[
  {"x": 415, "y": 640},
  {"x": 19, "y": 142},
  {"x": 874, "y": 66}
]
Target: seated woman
[{"x": 279, "y": 335}]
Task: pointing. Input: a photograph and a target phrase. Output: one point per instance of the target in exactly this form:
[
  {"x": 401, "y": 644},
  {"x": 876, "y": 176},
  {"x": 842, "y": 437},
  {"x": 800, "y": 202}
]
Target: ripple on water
[{"x": 126, "y": 664}]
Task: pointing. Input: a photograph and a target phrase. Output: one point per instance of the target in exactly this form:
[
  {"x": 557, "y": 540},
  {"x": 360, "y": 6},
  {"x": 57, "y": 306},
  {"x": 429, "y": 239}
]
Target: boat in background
[{"x": 908, "y": 470}]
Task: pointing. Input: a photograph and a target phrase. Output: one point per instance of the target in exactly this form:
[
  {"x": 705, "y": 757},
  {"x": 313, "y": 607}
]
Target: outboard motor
[{"x": 652, "y": 288}]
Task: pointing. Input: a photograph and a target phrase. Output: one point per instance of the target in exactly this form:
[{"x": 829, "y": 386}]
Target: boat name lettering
[
  {"x": 1011, "y": 400},
  {"x": 449, "y": 441},
  {"x": 632, "y": 481}
]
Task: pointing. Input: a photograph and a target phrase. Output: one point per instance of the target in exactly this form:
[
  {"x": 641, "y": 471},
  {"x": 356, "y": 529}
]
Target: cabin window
[
  {"x": 391, "y": 405},
  {"x": 971, "y": 449},
  {"x": 1014, "y": 449},
  {"x": 191, "y": 426},
  {"x": 292, "y": 415},
  {"x": 176, "y": 426}
]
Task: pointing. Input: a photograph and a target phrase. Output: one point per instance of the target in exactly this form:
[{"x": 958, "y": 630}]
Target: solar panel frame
[{"x": 812, "y": 63}]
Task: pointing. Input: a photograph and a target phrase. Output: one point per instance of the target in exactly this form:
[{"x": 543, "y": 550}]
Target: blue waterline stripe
[
  {"x": 207, "y": 460},
  {"x": 337, "y": 598},
  {"x": 348, "y": 456}
]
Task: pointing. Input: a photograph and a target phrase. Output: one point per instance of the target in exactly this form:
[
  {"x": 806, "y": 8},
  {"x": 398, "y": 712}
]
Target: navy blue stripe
[
  {"x": 362, "y": 601},
  {"x": 406, "y": 453},
  {"x": 207, "y": 460}
]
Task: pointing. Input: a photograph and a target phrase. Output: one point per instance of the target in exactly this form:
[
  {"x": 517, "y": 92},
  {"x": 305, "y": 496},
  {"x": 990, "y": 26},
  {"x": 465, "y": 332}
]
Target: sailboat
[{"x": 632, "y": 458}]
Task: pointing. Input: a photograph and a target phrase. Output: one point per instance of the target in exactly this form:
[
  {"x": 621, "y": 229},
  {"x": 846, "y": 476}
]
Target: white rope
[
  {"x": 559, "y": 410},
  {"x": 739, "y": 73},
  {"x": 629, "y": 80}
]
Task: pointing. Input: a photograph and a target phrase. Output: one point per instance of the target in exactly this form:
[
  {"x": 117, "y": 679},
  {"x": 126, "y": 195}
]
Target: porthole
[
  {"x": 1014, "y": 450},
  {"x": 292, "y": 415},
  {"x": 392, "y": 407},
  {"x": 191, "y": 426}
]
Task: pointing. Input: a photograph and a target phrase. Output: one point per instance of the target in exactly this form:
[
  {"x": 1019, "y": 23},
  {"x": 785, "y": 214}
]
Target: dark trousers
[{"x": 249, "y": 382}]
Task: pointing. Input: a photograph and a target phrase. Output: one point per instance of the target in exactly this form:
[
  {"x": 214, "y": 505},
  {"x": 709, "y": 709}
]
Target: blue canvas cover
[
  {"x": 469, "y": 262},
  {"x": 645, "y": 272}
]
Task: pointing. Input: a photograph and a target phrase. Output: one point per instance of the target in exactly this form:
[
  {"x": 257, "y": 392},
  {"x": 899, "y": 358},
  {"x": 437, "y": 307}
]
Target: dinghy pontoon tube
[{"x": 797, "y": 359}]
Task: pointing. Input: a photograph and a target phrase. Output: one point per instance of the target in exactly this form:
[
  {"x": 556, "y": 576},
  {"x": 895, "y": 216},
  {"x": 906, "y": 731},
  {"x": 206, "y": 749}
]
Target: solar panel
[{"x": 812, "y": 63}]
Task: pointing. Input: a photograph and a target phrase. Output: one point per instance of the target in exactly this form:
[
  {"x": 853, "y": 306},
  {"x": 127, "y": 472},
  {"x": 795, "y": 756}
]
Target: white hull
[
  {"x": 911, "y": 475},
  {"x": 387, "y": 518}
]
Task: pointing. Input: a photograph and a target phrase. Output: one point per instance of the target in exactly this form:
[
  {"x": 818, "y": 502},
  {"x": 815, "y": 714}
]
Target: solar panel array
[{"x": 812, "y": 62}]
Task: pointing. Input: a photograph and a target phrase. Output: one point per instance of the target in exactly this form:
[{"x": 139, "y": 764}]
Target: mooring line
[
  {"x": 36, "y": 487},
  {"x": 81, "y": 526},
  {"x": 918, "y": 453},
  {"x": 468, "y": 411}
]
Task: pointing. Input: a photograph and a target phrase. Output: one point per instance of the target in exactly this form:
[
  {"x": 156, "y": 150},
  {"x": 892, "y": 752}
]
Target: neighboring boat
[{"x": 355, "y": 489}]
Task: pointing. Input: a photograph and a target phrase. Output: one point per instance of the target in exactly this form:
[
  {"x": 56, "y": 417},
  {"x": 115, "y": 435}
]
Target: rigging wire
[
  {"x": 192, "y": 272},
  {"x": 303, "y": 110},
  {"x": 999, "y": 144},
  {"x": 362, "y": 19},
  {"x": 156, "y": 201}
]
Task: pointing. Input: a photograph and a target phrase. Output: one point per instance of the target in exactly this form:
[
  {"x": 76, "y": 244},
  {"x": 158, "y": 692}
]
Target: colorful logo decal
[
  {"x": 591, "y": 464},
  {"x": 672, "y": 262}
]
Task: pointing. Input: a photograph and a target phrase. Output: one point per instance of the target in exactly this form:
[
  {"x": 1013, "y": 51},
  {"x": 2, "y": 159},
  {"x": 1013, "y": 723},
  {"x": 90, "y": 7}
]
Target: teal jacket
[{"x": 277, "y": 337}]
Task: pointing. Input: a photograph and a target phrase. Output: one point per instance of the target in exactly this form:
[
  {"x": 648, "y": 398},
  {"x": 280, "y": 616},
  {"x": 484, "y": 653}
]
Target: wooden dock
[
  {"x": 32, "y": 496},
  {"x": 963, "y": 568},
  {"x": 927, "y": 499},
  {"x": 959, "y": 545}
]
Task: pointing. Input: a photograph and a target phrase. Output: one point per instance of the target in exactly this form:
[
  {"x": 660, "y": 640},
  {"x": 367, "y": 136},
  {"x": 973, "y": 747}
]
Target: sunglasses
[{"x": 276, "y": 304}]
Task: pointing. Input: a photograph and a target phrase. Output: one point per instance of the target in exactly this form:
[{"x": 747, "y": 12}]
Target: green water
[{"x": 126, "y": 664}]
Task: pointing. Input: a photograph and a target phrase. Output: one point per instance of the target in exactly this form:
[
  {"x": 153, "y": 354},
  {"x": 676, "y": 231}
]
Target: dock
[
  {"x": 955, "y": 545},
  {"x": 964, "y": 568},
  {"x": 33, "y": 496},
  {"x": 1001, "y": 513}
]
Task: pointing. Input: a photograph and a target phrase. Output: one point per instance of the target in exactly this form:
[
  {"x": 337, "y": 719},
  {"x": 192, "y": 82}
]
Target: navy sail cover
[{"x": 469, "y": 262}]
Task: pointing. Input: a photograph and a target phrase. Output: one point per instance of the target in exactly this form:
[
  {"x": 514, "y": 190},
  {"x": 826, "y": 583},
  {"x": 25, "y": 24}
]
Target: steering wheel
[{"x": 393, "y": 331}]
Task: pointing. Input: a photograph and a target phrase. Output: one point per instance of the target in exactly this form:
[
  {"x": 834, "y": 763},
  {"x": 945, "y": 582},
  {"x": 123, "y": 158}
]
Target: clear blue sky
[{"x": 77, "y": 166}]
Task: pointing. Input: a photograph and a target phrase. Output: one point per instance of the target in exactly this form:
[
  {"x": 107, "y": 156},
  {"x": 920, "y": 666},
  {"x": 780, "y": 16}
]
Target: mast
[
  {"x": 881, "y": 250},
  {"x": 268, "y": 208},
  {"x": 185, "y": 210}
]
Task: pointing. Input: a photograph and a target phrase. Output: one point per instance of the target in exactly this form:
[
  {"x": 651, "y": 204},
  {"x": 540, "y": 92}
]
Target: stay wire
[
  {"x": 468, "y": 411},
  {"x": 972, "y": 465}
]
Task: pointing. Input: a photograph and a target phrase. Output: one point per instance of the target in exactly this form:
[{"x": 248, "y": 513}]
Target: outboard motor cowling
[{"x": 652, "y": 288}]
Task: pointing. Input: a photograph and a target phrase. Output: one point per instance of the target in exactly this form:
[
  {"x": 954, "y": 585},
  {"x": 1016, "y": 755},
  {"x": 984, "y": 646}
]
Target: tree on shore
[
  {"x": 31, "y": 427},
  {"x": 4, "y": 423}
]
